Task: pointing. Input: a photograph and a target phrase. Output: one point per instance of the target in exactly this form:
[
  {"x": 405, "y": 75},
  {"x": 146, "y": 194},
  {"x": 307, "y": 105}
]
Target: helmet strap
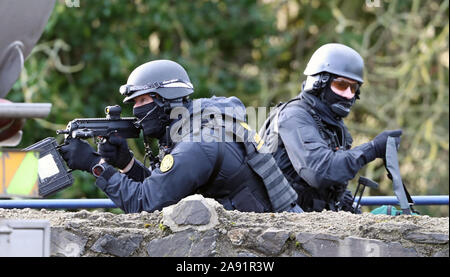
[
  {"x": 166, "y": 104},
  {"x": 175, "y": 103},
  {"x": 358, "y": 92}
]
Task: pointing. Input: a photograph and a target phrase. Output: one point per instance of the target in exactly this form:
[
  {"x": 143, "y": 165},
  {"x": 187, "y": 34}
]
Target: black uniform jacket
[
  {"x": 320, "y": 159},
  {"x": 188, "y": 168}
]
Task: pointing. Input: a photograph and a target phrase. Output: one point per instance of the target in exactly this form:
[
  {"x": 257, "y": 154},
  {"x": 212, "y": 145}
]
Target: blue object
[
  {"x": 107, "y": 203},
  {"x": 57, "y": 204},
  {"x": 392, "y": 200}
]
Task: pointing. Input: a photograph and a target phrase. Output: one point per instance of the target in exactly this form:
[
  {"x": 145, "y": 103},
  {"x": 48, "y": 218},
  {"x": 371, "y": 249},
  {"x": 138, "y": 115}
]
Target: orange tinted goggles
[{"x": 342, "y": 85}]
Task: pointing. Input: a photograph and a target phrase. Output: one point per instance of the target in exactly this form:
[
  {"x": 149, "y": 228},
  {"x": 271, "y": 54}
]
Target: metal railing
[
  {"x": 25, "y": 110},
  {"x": 107, "y": 203}
]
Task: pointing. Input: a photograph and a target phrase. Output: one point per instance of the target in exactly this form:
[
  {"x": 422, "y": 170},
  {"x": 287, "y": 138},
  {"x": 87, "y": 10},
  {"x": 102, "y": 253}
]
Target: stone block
[
  {"x": 431, "y": 238},
  {"x": 272, "y": 241},
  {"x": 204, "y": 244},
  {"x": 66, "y": 244},
  {"x": 193, "y": 212},
  {"x": 187, "y": 243},
  {"x": 175, "y": 245},
  {"x": 360, "y": 247},
  {"x": 304, "y": 237},
  {"x": 322, "y": 245},
  {"x": 122, "y": 246}
]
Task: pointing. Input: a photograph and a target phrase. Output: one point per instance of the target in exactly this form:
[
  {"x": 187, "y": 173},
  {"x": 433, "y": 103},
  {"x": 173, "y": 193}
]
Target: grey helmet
[
  {"x": 337, "y": 59},
  {"x": 166, "y": 78},
  {"x": 328, "y": 62}
]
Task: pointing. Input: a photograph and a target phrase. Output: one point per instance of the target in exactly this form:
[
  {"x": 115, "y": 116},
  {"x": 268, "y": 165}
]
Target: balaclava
[
  {"x": 152, "y": 119},
  {"x": 339, "y": 105}
]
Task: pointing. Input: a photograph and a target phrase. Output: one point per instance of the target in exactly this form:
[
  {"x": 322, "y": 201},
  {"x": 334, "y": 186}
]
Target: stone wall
[{"x": 199, "y": 227}]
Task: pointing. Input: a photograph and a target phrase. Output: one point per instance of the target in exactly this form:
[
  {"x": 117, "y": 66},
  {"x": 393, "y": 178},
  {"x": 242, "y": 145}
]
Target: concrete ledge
[{"x": 199, "y": 227}]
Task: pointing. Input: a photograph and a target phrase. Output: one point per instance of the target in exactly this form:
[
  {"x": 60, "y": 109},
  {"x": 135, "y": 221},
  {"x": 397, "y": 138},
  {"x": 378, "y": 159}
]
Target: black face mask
[
  {"x": 339, "y": 105},
  {"x": 152, "y": 119}
]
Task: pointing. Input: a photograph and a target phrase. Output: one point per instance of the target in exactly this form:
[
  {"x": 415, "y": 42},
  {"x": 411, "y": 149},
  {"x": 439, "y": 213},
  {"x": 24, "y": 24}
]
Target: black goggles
[{"x": 127, "y": 90}]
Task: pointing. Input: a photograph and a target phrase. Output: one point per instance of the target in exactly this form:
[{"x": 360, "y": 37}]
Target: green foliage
[{"x": 255, "y": 50}]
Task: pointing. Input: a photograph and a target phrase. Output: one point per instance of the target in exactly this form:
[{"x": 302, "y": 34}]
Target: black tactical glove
[
  {"x": 379, "y": 142},
  {"x": 115, "y": 152},
  {"x": 78, "y": 154},
  {"x": 346, "y": 203}
]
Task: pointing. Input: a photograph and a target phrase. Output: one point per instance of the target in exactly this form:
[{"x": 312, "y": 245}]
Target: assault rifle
[
  {"x": 53, "y": 173},
  {"x": 100, "y": 128}
]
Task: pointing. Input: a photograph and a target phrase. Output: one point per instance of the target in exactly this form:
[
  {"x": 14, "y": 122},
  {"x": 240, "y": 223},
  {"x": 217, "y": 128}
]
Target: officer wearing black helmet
[
  {"x": 309, "y": 139},
  {"x": 220, "y": 169}
]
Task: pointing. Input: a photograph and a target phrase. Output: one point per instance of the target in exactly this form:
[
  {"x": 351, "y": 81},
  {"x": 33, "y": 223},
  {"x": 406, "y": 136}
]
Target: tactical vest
[
  {"x": 276, "y": 194},
  {"x": 308, "y": 198},
  {"x": 269, "y": 131},
  {"x": 336, "y": 137},
  {"x": 242, "y": 191}
]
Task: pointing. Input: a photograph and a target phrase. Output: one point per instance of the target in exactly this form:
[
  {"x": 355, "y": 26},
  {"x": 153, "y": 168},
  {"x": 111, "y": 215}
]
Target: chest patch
[{"x": 166, "y": 163}]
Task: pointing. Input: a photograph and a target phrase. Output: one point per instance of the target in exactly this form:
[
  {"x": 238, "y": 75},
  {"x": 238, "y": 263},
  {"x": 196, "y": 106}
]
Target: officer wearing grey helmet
[
  {"x": 309, "y": 140},
  {"x": 215, "y": 169}
]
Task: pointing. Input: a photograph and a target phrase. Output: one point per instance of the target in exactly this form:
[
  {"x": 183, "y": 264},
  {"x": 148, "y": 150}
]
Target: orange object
[{"x": 19, "y": 173}]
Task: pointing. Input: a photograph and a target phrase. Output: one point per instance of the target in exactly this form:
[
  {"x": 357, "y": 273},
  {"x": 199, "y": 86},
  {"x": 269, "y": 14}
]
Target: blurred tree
[
  {"x": 86, "y": 53},
  {"x": 405, "y": 48},
  {"x": 255, "y": 50}
]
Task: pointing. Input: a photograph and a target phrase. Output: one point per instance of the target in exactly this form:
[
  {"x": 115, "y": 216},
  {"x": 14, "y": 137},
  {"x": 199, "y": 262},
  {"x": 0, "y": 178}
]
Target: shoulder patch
[{"x": 166, "y": 163}]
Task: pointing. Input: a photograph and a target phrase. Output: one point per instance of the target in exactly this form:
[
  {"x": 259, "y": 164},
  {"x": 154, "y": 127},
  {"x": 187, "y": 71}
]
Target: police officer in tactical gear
[
  {"x": 310, "y": 141},
  {"x": 216, "y": 169}
]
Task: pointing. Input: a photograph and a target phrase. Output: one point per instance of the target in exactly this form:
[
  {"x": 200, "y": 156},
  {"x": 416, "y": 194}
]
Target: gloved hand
[
  {"x": 379, "y": 142},
  {"x": 346, "y": 203},
  {"x": 115, "y": 152},
  {"x": 78, "y": 154}
]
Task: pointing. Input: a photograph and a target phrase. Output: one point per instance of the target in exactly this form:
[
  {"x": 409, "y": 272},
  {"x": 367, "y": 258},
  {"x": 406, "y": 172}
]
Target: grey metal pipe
[{"x": 24, "y": 110}]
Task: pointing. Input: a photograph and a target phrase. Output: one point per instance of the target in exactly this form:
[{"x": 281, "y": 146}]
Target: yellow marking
[
  {"x": 261, "y": 143},
  {"x": 257, "y": 138},
  {"x": 243, "y": 124}
]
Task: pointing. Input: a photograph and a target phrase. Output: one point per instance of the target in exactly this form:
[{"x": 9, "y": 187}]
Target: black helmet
[
  {"x": 337, "y": 59},
  {"x": 166, "y": 78}
]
